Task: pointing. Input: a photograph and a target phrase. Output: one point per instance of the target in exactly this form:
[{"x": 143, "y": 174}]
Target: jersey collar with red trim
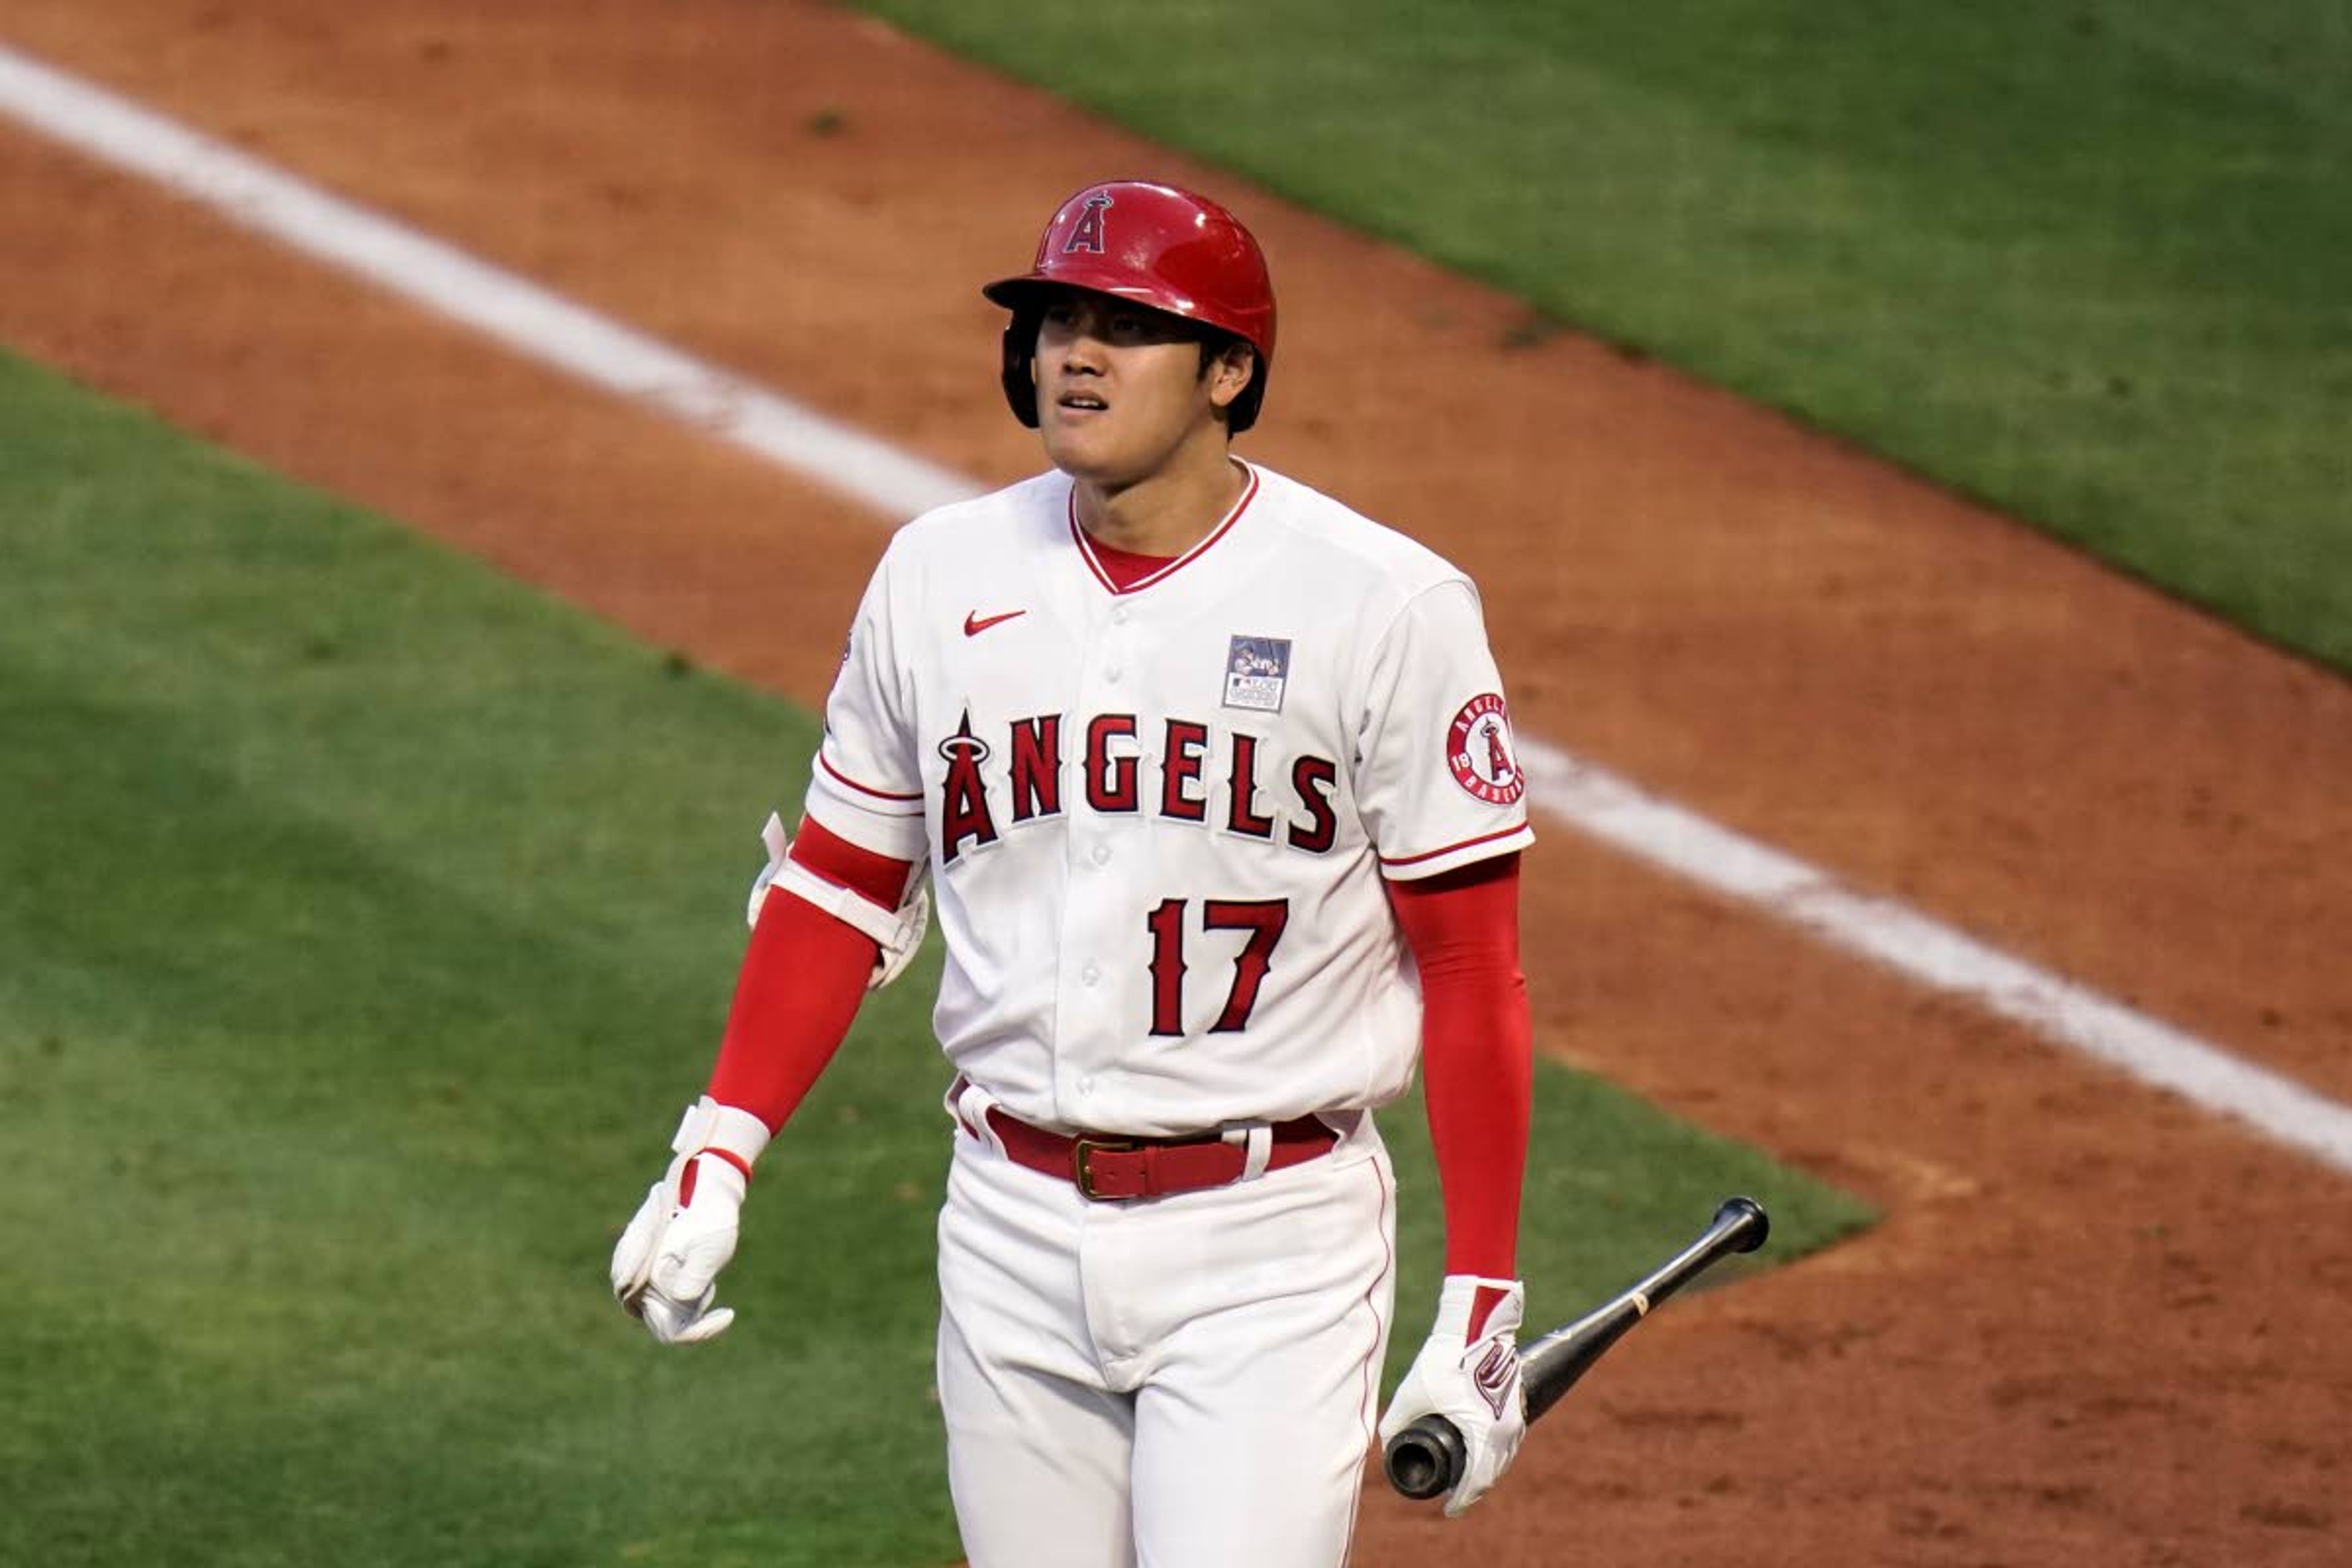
[{"x": 1087, "y": 549}]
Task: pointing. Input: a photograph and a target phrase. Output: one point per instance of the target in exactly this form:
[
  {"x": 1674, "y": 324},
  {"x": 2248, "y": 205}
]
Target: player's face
[{"x": 1120, "y": 389}]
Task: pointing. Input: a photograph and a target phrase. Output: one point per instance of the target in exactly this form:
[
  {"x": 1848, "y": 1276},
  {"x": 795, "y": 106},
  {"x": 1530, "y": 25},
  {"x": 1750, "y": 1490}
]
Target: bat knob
[
  {"x": 1426, "y": 1458},
  {"x": 1759, "y": 1224}
]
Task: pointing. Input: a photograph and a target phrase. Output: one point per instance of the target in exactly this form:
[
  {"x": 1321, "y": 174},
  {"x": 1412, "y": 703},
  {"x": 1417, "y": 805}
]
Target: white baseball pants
[{"x": 1180, "y": 1381}]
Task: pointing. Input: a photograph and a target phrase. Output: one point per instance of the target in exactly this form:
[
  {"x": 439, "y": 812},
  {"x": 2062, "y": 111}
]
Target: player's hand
[
  {"x": 1469, "y": 1372},
  {"x": 666, "y": 1267}
]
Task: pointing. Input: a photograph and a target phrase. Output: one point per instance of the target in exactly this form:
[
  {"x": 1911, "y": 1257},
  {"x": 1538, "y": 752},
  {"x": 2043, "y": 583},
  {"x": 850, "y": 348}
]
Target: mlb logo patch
[{"x": 1256, "y": 668}]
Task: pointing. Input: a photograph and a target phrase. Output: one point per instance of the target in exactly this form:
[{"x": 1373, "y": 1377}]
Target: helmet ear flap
[{"x": 1020, "y": 353}]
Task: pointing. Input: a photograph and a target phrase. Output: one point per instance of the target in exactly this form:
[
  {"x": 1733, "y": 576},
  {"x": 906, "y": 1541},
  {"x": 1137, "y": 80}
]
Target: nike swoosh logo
[{"x": 973, "y": 623}]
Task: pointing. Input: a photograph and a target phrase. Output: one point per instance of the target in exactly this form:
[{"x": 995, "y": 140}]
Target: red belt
[{"x": 1104, "y": 1165}]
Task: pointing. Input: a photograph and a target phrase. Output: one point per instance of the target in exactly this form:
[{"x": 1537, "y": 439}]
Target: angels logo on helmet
[{"x": 1088, "y": 233}]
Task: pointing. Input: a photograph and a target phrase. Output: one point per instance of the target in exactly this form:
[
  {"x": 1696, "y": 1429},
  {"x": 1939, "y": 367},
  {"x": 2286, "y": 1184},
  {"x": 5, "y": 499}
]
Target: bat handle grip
[{"x": 1426, "y": 1459}]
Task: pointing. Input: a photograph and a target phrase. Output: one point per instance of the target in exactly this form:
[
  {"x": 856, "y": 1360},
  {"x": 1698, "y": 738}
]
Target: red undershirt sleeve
[
  {"x": 803, "y": 979},
  {"x": 1477, "y": 1053}
]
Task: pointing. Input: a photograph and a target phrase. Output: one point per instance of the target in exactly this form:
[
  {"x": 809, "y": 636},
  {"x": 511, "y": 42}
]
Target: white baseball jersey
[{"x": 1159, "y": 818}]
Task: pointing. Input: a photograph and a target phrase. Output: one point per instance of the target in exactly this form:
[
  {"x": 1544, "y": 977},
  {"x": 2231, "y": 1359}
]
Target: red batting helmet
[{"x": 1154, "y": 244}]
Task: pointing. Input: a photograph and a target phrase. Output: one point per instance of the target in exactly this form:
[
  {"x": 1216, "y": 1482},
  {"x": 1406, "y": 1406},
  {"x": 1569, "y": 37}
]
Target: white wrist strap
[{"x": 710, "y": 1125}]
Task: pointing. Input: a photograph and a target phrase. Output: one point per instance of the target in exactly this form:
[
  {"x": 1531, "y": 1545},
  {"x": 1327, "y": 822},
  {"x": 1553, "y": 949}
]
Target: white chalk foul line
[
  {"x": 528, "y": 319},
  {"x": 542, "y": 325},
  {"x": 1934, "y": 954}
]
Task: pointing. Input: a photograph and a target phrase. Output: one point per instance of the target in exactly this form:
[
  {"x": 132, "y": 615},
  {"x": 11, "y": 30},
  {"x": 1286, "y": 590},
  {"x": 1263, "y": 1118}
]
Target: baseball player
[{"x": 1212, "y": 785}]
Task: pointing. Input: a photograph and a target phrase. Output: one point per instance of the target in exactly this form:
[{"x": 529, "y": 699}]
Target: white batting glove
[
  {"x": 1469, "y": 1372},
  {"x": 668, "y": 1260}
]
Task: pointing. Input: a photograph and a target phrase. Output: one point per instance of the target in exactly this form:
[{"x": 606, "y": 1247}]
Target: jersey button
[
  {"x": 1087, "y": 1084},
  {"x": 1112, "y": 674},
  {"x": 1119, "y": 615},
  {"x": 1102, "y": 853},
  {"x": 1090, "y": 974}
]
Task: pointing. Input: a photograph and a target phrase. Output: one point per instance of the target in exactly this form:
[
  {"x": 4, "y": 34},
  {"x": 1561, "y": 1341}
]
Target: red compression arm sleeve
[
  {"x": 1476, "y": 1054},
  {"x": 802, "y": 981}
]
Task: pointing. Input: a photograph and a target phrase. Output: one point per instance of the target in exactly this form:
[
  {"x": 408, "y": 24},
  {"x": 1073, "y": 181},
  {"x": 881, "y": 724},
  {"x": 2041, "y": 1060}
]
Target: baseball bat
[{"x": 1426, "y": 1459}]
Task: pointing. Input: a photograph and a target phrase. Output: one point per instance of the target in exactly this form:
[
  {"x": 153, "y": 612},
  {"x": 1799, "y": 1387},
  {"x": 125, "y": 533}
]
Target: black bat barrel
[{"x": 1426, "y": 1459}]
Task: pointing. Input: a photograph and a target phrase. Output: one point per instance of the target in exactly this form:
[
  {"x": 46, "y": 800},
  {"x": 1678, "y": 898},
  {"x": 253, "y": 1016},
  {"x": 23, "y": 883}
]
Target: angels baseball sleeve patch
[{"x": 1478, "y": 749}]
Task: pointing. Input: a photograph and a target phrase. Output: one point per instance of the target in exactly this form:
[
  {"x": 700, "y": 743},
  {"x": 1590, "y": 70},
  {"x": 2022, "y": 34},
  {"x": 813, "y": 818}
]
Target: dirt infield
[{"x": 2099, "y": 1325}]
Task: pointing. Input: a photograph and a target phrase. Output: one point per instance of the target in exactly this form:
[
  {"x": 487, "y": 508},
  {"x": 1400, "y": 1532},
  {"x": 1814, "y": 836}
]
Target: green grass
[
  {"x": 365, "y": 918},
  {"x": 2083, "y": 261}
]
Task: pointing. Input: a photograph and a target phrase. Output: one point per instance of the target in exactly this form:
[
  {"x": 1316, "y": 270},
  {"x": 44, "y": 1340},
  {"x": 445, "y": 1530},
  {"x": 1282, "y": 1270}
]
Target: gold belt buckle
[{"x": 1081, "y": 1155}]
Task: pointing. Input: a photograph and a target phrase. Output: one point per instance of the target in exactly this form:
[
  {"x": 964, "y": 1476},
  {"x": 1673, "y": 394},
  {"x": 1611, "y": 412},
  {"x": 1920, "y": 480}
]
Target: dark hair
[{"x": 1214, "y": 342}]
